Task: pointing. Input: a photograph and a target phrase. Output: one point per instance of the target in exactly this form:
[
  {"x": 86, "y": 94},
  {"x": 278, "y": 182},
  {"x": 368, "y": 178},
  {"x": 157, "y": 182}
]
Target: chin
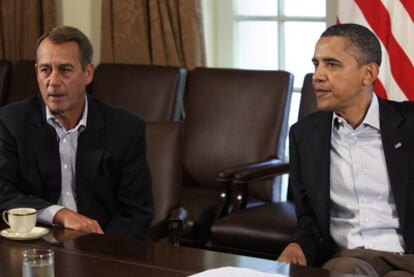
[
  {"x": 55, "y": 109},
  {"x": 323, "y": 106}
]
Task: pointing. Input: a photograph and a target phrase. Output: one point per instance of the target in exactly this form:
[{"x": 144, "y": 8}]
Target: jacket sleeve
[
  {"x": 11, "y": 192},
  {"x": 307, "y": 234}
]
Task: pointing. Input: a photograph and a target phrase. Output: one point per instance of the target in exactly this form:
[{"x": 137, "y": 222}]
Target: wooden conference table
[{"x": 79, "y": 254}]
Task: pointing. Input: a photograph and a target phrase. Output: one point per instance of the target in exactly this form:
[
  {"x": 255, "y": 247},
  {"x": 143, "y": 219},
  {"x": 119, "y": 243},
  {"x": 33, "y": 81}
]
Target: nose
[
  {"x": 318, "y": 75},
  {"x": 54, "y": 79}
]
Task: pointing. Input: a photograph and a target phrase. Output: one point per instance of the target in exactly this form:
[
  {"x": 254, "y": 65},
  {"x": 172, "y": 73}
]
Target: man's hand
[
  {"x": 293, "y": 254},
  {"x": 72, "y": 220}
]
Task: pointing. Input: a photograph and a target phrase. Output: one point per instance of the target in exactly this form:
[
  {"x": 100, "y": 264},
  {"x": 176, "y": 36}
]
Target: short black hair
[
  {"x": 365, "y": 44},
  {"x": 62, "y": 34}
]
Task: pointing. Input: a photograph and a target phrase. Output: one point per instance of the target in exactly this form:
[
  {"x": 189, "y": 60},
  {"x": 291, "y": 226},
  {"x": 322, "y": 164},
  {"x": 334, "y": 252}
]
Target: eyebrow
[
  {"x": 60, "y": 65},
  {"x": 43, "y": 65},
  {"x": 66, "y": 65},
  {"x": 327, "y": 60}
]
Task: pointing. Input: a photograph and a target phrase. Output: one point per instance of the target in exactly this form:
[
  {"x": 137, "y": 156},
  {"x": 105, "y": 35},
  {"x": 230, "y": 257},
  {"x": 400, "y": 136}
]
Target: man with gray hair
[
  {"x": 351, "y": 165},
  {"x": 78, "y": 161}
]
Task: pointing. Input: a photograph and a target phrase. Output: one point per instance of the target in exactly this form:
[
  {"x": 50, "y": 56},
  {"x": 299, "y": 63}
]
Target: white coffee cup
[{"x": 20, "y": 220}]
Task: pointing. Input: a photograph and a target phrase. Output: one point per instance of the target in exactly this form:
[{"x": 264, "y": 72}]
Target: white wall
[
  {"x": 210, "y": 26},
  {"x": 84, "y": 15},
  {"x": 218, "y": 33}
]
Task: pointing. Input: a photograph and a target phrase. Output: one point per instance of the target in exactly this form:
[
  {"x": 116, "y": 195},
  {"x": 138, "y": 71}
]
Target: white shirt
[
  {"x": 363, "y": 212},
  {"x": 68, "y": 143}
]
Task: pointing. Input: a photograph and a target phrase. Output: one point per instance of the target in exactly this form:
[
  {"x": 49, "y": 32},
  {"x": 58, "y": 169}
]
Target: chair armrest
[
  {"x": 261, "y": 171},
  {"x": 227, "y": 174},
  {"x": 252, "y": 175},
  {"x": 241, "y": 175}
]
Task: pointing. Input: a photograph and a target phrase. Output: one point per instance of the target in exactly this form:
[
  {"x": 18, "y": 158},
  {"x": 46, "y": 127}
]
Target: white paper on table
[{"x": 235, "y": 272}]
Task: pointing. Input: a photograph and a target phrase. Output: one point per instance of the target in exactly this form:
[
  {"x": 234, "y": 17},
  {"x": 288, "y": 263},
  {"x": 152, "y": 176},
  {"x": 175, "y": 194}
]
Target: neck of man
[
  {"x": 70, "y": 119},
  {"x": 356, "y": 114}
]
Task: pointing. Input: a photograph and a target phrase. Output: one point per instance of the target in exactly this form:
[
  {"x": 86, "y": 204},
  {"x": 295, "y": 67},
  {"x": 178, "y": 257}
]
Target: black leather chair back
[
  {"x": 154, "y": 93},
  {"x": 5, "y": 68},
  {"x": 233, "y": 117},
  {"x": 308, "y": 99},
  {"x": 23, "y": 82}
]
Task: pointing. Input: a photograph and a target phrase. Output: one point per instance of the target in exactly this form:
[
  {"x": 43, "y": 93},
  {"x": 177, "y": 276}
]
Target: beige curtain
[
  {"x": 158, "y": 32},
  {"x": 21, "y": 24}
]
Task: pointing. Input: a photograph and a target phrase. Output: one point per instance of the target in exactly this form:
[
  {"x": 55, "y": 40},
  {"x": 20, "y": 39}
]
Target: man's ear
[
  {"x": 89, "y": 72},
  {"x": 370, "y": 74}
]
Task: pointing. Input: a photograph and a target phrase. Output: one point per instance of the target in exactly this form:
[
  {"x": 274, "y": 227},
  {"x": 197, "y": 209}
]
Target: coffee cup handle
[{"x": 4, "y": 218}]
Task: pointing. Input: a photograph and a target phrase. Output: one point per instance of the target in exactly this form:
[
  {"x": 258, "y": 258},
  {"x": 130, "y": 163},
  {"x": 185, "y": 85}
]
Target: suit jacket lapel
[
  {"x": 395, "y": 140},
  {"x": 45, "y": 147},
  {"x": 320, "y": 137},
  {"x": 89, "y": 154}
]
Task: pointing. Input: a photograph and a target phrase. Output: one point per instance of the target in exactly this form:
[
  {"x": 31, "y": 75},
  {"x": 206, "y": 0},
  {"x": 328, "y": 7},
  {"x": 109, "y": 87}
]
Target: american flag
[{"x": 392, "y": 22}]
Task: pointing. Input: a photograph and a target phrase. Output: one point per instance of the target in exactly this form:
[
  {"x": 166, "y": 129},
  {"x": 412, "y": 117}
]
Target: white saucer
[{"x": 35, "y": 233}]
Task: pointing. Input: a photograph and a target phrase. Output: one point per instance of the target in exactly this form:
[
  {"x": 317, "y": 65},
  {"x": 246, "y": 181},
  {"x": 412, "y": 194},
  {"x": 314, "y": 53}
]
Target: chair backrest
[
  {"x": 164, "y": 155},
  {"x": 154, "y": 93},
  {"x": 308, "y": 100},
  {"x": 233, "y": 117},
  {"x": 23, "y": 82},
  {"x": 5, "y": 67}
]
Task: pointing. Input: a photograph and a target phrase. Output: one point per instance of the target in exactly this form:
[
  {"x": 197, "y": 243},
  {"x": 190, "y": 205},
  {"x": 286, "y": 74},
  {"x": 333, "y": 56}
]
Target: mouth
[
  {"x": 321, "y": 91},
  {"x": 55, "y": 96}
]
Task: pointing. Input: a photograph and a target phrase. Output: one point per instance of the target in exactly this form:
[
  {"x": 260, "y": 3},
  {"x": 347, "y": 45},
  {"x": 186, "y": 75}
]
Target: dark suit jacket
[
  {"x": 310, "y": 142},
  {"x": 113, "y": 183}
]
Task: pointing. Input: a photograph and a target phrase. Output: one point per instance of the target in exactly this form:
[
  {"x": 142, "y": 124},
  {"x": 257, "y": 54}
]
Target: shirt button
[
  {"x": 67, "y": 193},
  {"x": 65, "y": 140},
  {"x": 65, "y": 166}
]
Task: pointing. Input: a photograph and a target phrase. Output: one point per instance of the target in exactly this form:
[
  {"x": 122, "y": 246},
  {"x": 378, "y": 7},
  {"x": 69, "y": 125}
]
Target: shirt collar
[
  {"x": 371, "y": 117},
  {"x": 51, "y": 119}
]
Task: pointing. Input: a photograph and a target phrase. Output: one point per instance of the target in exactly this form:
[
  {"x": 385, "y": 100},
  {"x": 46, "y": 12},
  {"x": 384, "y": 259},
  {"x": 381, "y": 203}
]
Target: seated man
[
  {"x": 351, "y": 165},
  {"x": 78, "y": 161}
]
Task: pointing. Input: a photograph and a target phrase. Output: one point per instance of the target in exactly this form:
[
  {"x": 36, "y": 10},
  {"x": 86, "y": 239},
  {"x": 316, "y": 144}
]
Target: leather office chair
[
  {"x": 164, "y": 156},
  {"x": 154, "y": 93},
  {"x": 5, "y": 67},
  {"x": 261, "y": 231},
  {"x": 233, "y": 117},
  {"x": 23, "y": 82}
]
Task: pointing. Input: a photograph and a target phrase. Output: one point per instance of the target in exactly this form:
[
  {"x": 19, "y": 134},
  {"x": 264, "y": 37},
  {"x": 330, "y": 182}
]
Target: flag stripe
[
  {"x": 349, "y": 12},
  {"x": 402, "y": 26},
  {"x": 379, "y": 19},
  {"x": 409, "y": 6},
  {"x": 380, "y": 90}
]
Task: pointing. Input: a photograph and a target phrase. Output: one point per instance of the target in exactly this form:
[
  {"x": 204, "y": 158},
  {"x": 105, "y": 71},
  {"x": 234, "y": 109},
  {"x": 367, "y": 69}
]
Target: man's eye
[{"x": 65, "y": 70}]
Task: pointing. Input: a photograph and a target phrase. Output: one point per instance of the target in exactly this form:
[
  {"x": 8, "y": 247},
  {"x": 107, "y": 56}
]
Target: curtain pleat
[
  {"x": 158, "y": 32},
  {"x": 21, "y": 24}
]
